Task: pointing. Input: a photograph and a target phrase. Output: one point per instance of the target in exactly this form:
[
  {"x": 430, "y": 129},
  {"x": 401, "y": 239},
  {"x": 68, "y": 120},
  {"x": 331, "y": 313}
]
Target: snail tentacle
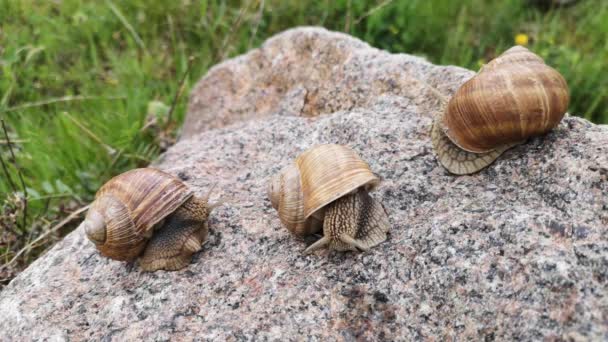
[
  {"x": 347, "y": 239},
  {"x": 322, "y": 242}
]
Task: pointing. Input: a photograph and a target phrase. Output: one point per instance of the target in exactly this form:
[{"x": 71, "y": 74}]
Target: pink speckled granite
[
  {"x": 309, "y": 72},
  {"x": 516, "y": 252}
]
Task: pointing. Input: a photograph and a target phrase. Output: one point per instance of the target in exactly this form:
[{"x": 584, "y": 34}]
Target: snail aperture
[
  {"x": 510, "y": 99},
  {"x": 327, "y": 188},
  {"x": 150, "y": 212}
]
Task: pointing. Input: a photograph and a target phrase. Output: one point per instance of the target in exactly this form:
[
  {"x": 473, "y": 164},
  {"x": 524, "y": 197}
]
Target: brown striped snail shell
[
  {"x": 327, "y": 187},
  {"x": 285, "y": 193},
  {"x": 150, "y": 212},
  {"x": 512, "y": 98}
]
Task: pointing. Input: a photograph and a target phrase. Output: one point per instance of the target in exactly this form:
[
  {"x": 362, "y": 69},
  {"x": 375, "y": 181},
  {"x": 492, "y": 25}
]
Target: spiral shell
[
  {"x": 319, "y": 176},
  {"x": 286, "y": 197},
  {"x": 329, "y": 172},
  {"x": 126, "y": 209},
  {"x": 512, "y": 98}
]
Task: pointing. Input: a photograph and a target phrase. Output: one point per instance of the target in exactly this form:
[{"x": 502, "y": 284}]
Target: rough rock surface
[
  {"x": 518, "y": 251},
  {"x": 307, "y": 73}
]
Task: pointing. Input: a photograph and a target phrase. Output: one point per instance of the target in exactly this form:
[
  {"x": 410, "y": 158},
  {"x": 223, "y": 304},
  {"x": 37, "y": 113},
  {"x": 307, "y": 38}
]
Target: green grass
[{"x": 79, "y": 78}]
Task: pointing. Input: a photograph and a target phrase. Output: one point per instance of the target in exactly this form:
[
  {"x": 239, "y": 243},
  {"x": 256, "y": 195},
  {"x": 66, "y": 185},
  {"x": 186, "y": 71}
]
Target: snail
[
  {"x": 510, "y": 99},
  {"x": 149, "y": 213},
  {"x": 328, "y": 188}
]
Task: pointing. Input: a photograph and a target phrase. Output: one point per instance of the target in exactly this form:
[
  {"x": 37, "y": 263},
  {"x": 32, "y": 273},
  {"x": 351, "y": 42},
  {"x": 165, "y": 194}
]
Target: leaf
[
  {"x": 48, "y": 187},
  {"x": 157, "y": 108},
  {"x": 32, "y": 193},
  {"x": 61, "y": 187}
]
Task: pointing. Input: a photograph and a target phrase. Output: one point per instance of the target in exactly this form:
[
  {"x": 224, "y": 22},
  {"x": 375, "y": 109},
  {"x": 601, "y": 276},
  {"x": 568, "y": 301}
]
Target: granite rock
[
  {"x": 309, "y": 72},
  {"x": 518, "y": 251}
]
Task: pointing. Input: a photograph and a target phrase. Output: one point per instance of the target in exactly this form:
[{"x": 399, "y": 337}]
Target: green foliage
[
  {"x": 470, "y": 33},
  {"x": 77, "y": 77}
]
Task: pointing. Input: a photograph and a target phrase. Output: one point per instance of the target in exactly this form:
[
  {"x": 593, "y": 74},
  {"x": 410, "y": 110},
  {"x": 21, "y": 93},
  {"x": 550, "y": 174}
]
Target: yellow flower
[{"x": 521, "y": 39}]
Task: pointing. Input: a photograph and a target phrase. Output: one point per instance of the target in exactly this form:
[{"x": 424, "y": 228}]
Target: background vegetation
[{"x": 88, "y": 89}]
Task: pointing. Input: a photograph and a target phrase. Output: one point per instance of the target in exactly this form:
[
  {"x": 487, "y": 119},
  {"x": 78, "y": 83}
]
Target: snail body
[
  {"x": 512, "y": 98},
  {"x": 327, "y": 189},
  {"x": 149, "y": 213}
]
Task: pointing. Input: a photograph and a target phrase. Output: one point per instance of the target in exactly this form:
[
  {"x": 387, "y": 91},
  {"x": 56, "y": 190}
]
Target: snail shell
[
  {"x": 329, "y": 172},
  {"x": 133, "y": 206},
  {"x": 285, "y": 193},
  {"x": 512, "y": 98},
  {"x": 330, "y": 179}
]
